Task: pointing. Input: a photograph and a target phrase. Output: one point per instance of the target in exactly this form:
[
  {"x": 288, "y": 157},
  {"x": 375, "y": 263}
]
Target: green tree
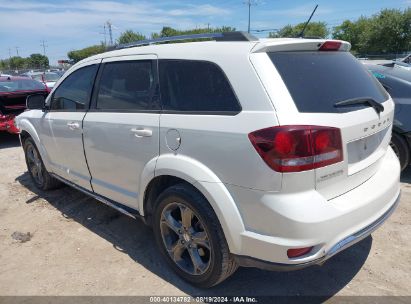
[
  {"x": 389, "y": 31},
  {"x": 169, "y": 31},
  {"x": 77, "y": 55},
  {"x": 314, "y": 29},
  {"x": 130, "y": 36},
  {"x": 17, "y": 62},
  {"x": 4, "y": 64},
  {"x": 37, "y": 61}
]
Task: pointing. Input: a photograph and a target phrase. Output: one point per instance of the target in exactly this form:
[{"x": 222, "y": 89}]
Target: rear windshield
[
  {"x": 51, "y": 76},
  {"x": 20, "y": 85},
  {"x": 317, "y": 80}
]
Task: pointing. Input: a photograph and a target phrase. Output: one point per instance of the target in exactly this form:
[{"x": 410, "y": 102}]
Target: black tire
[
  {"x": 400, "y": 147},
  {"x": 220, "y": 263},
  {"x": 39, "y": 175}
]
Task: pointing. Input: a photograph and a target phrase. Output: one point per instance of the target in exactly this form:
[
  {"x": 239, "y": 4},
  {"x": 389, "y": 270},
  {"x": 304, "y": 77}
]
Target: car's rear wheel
[
  {"x": 41, "y": 178},
  {"x": 190, "y": 238},
  {"x": 400, "y": 147}
]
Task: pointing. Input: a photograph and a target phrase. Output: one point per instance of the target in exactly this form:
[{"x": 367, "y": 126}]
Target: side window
[
  {"x": 127, "y": 85},
  {"x": 195, "y": 86},
  {"x": 74, "y": 93}
]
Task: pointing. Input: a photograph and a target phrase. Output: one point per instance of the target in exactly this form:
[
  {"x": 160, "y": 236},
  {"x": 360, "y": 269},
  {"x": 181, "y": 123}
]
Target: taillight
[
  {"x": 330, "y": 46},
  {"x": 298, "y": 148}
]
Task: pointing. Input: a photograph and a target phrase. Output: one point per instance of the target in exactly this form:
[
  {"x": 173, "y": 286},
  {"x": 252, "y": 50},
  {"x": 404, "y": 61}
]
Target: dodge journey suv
[{"x": 270, "y": 153}]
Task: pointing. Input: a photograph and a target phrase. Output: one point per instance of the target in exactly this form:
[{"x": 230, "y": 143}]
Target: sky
[{"x": 66, "y": 25}]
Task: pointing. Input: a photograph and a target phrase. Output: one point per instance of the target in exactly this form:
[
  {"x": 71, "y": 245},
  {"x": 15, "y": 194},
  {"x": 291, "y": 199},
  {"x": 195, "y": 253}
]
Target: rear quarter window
[
  {"x": 317, "y": 80},
  {"x": 190, "y": 86}
]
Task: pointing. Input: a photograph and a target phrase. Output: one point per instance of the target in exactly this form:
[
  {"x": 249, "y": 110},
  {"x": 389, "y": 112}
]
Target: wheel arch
[
  {"x": 28, "y": 130},
  {"x": 173, "y": 169}
]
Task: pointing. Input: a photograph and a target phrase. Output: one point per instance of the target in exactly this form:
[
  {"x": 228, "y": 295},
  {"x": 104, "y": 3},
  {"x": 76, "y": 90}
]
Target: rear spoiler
[{"x": 300, "y": 44}]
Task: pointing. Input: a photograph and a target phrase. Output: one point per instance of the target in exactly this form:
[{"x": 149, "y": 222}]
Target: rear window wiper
[{"x": 361, "y": 100}]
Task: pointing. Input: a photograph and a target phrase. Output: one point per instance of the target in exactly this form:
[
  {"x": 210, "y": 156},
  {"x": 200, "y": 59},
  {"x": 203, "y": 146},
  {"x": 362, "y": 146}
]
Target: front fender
[
  {"x": 25, "y": 125},
  {"x": 208, "y": 184}
]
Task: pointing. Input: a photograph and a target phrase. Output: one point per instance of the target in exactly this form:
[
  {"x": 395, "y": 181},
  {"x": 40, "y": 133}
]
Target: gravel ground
[{"x": 64, "y": 243}]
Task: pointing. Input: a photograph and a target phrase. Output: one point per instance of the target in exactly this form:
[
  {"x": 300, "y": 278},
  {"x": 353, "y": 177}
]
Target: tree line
[
  {"x": 34, "y": 61},
  {"x": 132, "y": 36},
  {"x": 388, "y": 31}
]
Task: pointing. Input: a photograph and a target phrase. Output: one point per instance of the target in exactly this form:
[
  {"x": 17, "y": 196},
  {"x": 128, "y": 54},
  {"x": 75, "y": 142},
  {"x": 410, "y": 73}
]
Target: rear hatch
[{"x": 326, "y": 86}]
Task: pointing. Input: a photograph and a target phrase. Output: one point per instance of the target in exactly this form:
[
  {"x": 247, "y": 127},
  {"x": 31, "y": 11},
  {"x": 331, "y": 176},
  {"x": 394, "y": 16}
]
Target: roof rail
[{"x": 226, "y": 36}]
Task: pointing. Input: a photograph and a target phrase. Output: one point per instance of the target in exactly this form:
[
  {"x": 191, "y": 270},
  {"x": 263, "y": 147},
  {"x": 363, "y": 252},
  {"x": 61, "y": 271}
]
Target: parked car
[
  {"x": 397, "y": 82},
  {"x": 401, "y": 65},
  {"x": 238, "y": 152},
  {"x": 48, "y": 78},
  {"x": 13, "y": 94},
  {"x": 406, "y": 59}
]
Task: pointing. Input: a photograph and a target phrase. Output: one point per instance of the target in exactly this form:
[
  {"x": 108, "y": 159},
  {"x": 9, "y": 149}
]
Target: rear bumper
[
  {"x": 276, "y": 222},
  {"x": 246, "y": 261},
  {"x": 7, "y": 124}
]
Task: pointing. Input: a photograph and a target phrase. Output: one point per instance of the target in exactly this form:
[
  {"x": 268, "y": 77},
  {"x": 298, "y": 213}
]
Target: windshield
[
  {"x": 20, "y": 85},
  {"x": 318, "y": 80},
  {"x": 51, "y": 77}
]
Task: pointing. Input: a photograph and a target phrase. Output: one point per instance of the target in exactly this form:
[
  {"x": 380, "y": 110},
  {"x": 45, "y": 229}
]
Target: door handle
[
  {"x": 73, "y": 125},
  {"x": 142, "y": 132}
]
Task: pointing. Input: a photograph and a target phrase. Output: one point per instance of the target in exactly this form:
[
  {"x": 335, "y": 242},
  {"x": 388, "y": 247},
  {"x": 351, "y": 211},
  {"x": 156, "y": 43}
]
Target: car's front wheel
[
  {"x": 41, "y": 178},
  {"x": 190, "y": 238}
]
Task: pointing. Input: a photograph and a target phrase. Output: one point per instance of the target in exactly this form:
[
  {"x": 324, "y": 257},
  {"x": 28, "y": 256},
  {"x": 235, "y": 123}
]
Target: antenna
[{"x": 301, "y": 35}]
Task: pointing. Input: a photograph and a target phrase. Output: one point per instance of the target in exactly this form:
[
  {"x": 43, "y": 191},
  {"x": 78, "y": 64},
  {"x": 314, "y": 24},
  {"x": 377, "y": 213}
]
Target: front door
[
  {"x": 121, "y": 131},
  {"x": 61, "y": 126}
]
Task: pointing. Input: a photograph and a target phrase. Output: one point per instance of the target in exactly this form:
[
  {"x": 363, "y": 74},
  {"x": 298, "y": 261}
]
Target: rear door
[
  {"x": 305, "y": 86},
  {"x": 121, "y": 131},
  {"x": 61, "y": 126}
]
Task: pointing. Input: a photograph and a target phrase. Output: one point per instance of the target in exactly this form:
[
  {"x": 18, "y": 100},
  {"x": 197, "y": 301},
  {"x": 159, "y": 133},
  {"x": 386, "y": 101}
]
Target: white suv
[{"x": 266, "y": 153}]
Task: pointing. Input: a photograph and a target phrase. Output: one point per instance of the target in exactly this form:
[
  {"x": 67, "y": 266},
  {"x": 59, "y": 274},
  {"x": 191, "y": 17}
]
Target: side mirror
[{"x": 36, "y": 102}]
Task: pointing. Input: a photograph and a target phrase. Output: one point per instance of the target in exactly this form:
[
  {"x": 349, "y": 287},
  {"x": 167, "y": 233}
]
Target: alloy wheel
[
  {"x": 34, "y": 164},
  {"x": 185, "y": 238}
]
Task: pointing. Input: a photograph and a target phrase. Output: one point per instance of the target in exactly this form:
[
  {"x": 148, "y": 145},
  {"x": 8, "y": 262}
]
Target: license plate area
[{"x": 363, "y": 148}]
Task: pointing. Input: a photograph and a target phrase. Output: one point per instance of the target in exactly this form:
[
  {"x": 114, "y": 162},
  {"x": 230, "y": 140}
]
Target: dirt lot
[{"x": 79, "y": 246}]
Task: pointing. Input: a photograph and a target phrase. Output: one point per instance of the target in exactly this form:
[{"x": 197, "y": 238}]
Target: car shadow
[
  {"x": 8, "y": 140},
  {"x": 406, "y": 175},
  {"x": 135, "y": 239}
]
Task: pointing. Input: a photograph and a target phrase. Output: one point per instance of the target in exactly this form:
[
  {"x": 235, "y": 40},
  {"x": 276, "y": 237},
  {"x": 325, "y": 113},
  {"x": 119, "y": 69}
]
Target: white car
[{"x": 238, "y": 152}]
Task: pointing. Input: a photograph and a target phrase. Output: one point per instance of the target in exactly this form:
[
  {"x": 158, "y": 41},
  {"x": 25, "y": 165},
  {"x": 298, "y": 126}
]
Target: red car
[{"x": 13, "y": 94}]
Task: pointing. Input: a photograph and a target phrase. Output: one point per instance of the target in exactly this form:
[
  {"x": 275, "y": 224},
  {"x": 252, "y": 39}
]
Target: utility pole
[
  {"x": 249, "y": 3},
  {"x": 43, "y": 44},
  {"x": 110, "y": 32},
  {"x": 105, "y": 33},
  {"x": 10, "y": 58},
  {"x": 17, "y": 51}
]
